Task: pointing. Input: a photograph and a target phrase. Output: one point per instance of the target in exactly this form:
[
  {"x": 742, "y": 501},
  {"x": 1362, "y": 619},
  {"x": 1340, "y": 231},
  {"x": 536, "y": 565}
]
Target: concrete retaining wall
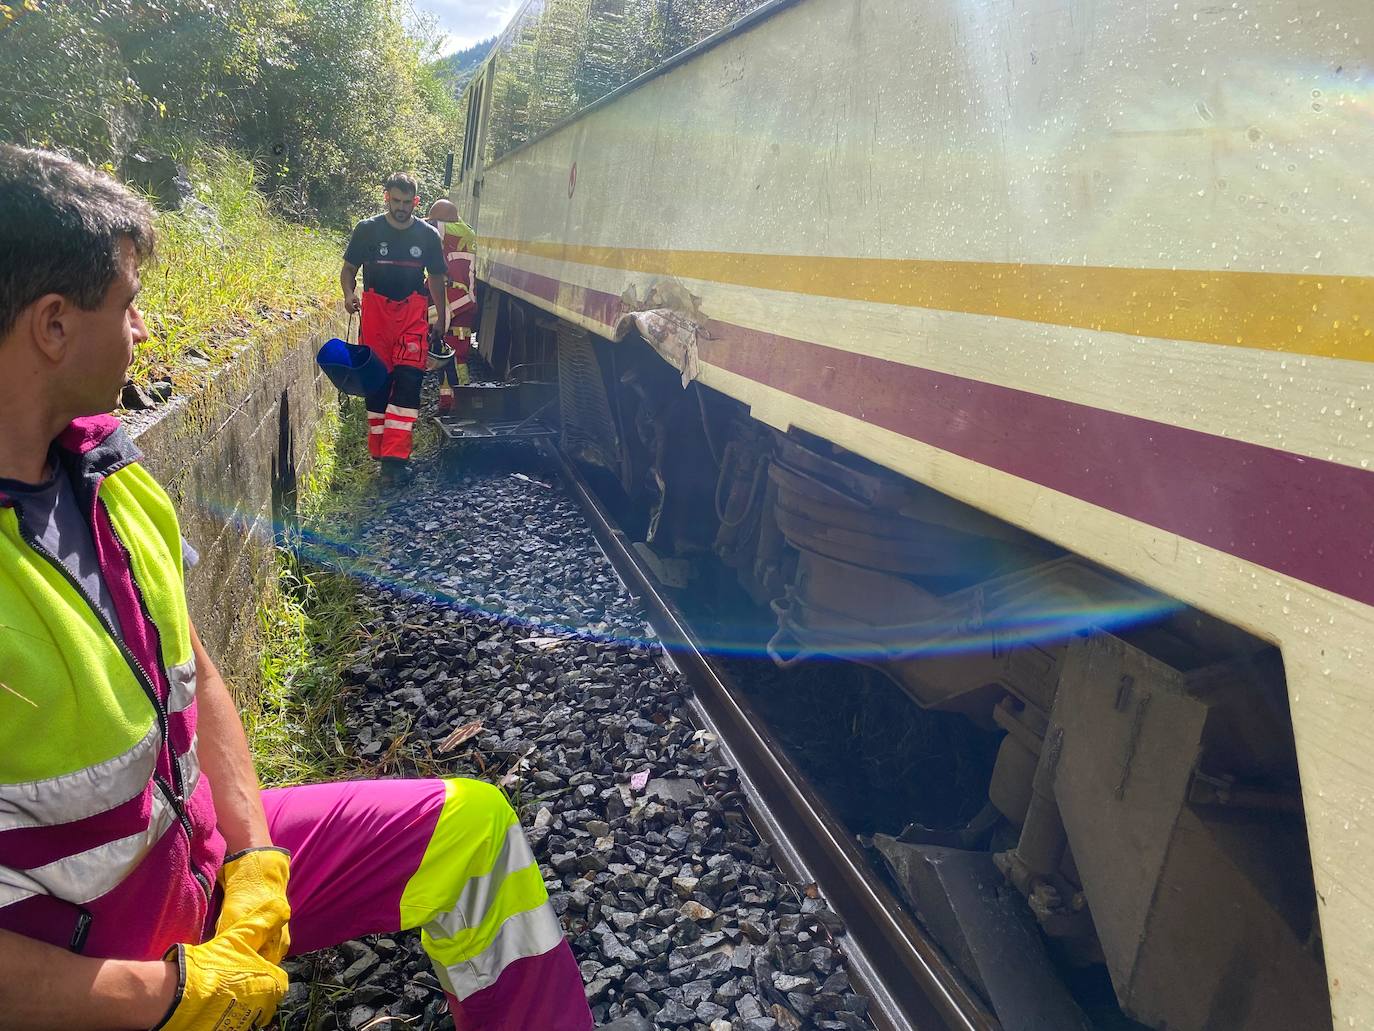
[{"x": 229, "y": 456}]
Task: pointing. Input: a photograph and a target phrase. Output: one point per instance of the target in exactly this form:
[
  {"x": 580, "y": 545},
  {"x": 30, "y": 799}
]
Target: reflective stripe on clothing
[
  {"x": 468, "y": 839},
  {"x": 94, "y": 789},
  {"x": 521, "y": 937},
  {"x": 372, "y": 857},
  {"x": 479, "y": 893},
  {"x": 458, "y": 937},
  {"x": 79, "y": 809},
  {"x": 399, "y": 418},
  {"x": 83, "y": 793},
  {"x": 181, "y": 686},
  {"x": 375, "y": 430},
  {"x": 485, "y": 893},
  {"x": 190, "y": 769},
  {"x": 454, "y": 372},
  {"x": 401, "y": 400},
  {"x": 87, "y": 875}
]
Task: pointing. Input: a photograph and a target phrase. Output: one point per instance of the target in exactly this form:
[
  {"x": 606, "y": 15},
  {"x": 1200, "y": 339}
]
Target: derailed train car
[{"x": 1021, "y": 351}]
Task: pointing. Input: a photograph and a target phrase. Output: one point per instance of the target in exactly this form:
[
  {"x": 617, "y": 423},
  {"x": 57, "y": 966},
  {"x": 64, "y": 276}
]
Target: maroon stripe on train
[
  {"x": 1300, "y": 516},
  {"x": 595, "y": 304},
  {"x": 1304, "y": 517},
  {"x": 529, "y": 282}
]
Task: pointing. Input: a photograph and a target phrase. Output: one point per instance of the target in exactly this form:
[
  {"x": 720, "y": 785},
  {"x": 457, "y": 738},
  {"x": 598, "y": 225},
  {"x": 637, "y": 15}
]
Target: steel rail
[{"x": 908, "y": 981}]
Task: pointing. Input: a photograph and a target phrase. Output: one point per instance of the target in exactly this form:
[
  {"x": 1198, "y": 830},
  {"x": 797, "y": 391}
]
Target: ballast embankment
[{"x": 504, "y": 647}]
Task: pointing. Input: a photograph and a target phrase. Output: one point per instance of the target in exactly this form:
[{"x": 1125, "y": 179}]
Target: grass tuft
[
  {"x": 226, "y": 269},
  {"x": 312, "y": 626},
  {"x": 293, "y": 725}
]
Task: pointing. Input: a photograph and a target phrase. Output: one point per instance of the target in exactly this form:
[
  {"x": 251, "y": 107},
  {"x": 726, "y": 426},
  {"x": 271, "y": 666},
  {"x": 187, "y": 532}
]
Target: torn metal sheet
[{"x": 669, "y": 318}]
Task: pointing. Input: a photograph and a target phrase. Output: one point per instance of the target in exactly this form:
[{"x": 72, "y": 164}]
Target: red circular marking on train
[{"x": 572, "y": 179}]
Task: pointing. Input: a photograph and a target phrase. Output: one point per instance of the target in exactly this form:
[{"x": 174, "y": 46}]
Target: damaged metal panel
[
  {"x": 1191, "y": 932},
  {"x": 670, "y": 320},
  {"x": 984, "y": 926},
  {"x": 938, "y": 648}
]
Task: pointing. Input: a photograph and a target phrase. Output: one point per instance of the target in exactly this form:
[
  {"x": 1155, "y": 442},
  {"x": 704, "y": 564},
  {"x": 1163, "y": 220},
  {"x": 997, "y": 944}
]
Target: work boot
[
  {"x": 396, "y": 472},
  {"x": 629, "y": 1022}
]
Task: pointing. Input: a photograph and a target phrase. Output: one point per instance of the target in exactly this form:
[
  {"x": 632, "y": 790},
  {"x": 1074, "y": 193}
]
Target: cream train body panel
[{"x": 1145, "y": 226}]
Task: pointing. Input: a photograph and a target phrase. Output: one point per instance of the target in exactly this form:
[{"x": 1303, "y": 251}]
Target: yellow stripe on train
[{"x": 1324, "y": 316}]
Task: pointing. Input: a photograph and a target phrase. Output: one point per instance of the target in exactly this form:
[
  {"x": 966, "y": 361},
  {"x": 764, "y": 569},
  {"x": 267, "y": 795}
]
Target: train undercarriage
[{"x": 1136, "y": 826}]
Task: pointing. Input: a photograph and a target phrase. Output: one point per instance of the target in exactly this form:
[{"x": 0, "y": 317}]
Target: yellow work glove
[{"x": 233, "y": 981}]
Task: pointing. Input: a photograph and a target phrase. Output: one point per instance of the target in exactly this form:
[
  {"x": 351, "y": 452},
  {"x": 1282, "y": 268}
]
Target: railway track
[
  {"x": 909, "y": 982},
  {"x": 682, "y": 899}
]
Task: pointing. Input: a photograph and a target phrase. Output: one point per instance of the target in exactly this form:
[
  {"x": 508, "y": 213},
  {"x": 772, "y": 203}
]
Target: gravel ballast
[{"x": 496, "y": 619}]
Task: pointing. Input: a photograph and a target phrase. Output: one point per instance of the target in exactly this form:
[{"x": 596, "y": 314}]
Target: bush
[
  {"x": 327, "y": 96},
  {"x": 227, "y": 265}
]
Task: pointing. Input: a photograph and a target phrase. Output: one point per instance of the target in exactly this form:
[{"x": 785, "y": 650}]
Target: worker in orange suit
[{"x": 459, "y": 245}]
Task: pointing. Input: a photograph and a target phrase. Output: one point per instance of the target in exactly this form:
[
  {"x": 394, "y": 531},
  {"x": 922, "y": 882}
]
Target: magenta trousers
[{"x": 447, "y": 857}]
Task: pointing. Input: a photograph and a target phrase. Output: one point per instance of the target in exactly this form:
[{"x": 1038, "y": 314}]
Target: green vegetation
[
  {"x": 459, "y": 67},
  {"x": 284, "y": 116},
  {"x": 311, "y": 622},
  {"x": 326, "y": 96},
  {"x": 306, "y": 620},
  {"x": 227, "y": 268}
]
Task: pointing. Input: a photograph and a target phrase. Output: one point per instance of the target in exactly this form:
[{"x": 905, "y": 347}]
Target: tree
[
  {"x": 458, "y": 68},
  {"x": 327, "y": 96}
]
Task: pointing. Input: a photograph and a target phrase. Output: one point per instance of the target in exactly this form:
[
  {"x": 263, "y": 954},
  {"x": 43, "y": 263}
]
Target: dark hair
[
  {"x": 401, "y": 181},
  {"x": 60, "y": 230}
]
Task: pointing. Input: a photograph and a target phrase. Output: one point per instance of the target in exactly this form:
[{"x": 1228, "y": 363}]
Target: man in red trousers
[{"x": 395, "y": 250}]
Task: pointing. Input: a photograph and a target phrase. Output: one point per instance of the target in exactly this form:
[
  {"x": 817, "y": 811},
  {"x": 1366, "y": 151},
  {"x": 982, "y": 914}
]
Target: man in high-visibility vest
[
  {"x": 459, "y": 245},
  {"x": 145, "y": 879}
]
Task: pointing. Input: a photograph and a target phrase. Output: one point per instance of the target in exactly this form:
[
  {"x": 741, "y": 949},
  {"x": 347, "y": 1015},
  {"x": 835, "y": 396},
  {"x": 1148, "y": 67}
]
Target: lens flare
[{"x": 561, "y": 612}]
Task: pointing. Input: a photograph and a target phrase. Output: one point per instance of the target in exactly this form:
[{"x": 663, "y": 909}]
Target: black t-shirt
[{"x": 394, "y": 260}]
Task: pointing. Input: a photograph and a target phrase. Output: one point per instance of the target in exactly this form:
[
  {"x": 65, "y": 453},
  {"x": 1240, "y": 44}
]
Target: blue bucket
[{"x": 352, "y": 368}]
